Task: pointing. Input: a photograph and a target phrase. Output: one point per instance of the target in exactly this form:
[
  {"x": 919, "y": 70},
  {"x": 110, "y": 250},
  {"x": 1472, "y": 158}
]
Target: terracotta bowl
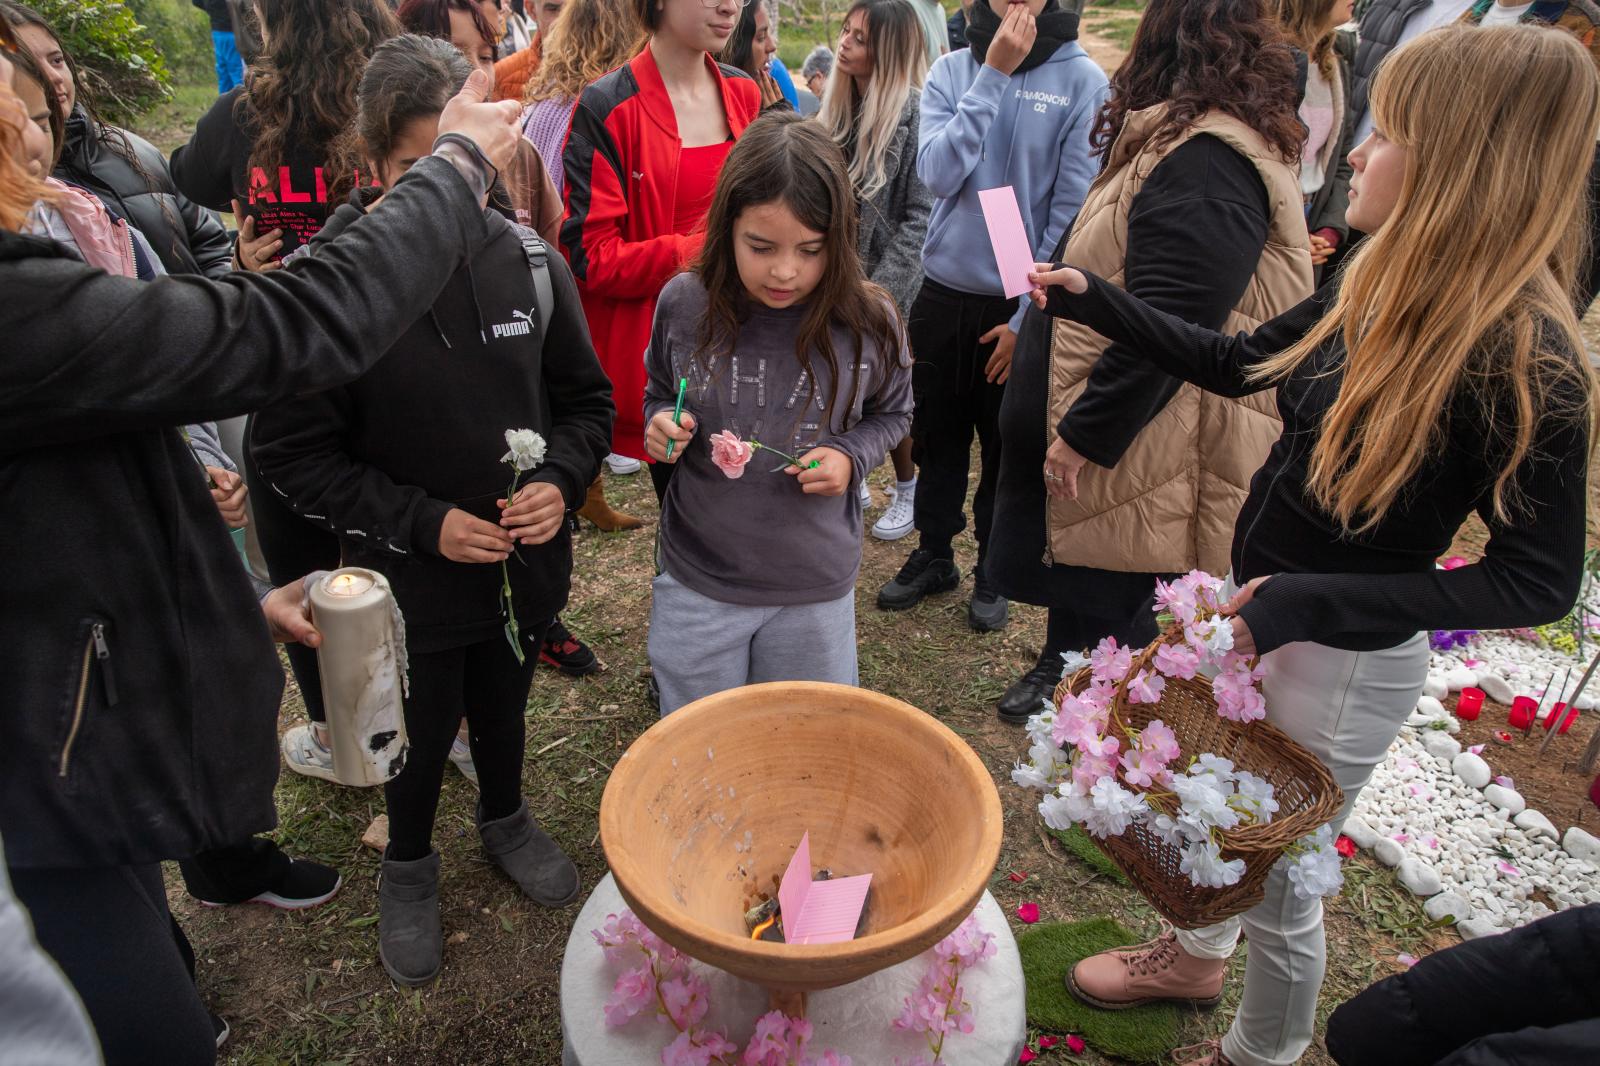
[{"x": 702, "y": 814}]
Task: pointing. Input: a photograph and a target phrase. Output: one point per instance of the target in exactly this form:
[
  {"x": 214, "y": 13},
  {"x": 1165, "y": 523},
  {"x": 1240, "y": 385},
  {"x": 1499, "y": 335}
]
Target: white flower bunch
[{"x": 1312, "y": 864}]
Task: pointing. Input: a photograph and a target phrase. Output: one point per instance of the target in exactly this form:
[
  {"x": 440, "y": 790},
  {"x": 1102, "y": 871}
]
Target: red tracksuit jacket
[{"x": 621, "y": 162}]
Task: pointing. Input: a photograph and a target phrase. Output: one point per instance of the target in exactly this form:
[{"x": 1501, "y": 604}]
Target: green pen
[{"x": 677, "y": 411}]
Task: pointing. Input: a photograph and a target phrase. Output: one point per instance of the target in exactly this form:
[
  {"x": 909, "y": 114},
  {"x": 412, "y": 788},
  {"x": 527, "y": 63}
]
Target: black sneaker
[
  {"x": 923, "y": 575},
  {"x": 1025, "y": 698},
  {"x": 989, "y": 611},
  {"x": 304, "y": 884},
  {"x": 219, "y": 1025},
  {"x": 567, "y": 653}
]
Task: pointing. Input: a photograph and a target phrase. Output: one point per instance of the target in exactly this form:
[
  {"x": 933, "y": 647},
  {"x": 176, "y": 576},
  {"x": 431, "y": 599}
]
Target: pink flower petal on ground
[
  {"x": 1476, "y": 749},
  {"x": 1048, "y": 1042},
  {"x": 1401, "y": 838},
  {"x": 1405, "y": 960},
  {"x": 1505, "y": 782},
  {"x": 1432, "y": 842},
  {"x": 1028, "y": 912},
  {"x": 1404, "y": 763},
  {"x": 1016, "y": 876},
  {"x": 1507, "y": 869},
  {"x": 1027, "y": 1055},
  {"x": 1075, "y": 1044}
]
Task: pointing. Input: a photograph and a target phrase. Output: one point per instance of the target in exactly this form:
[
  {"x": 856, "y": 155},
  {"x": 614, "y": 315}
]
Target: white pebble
[
  {"x": 1496, "y": 687},
  {"x": 1441, "y": 745},
  {"x": 1420, "y": 878},
  {"x": 1448, "y": 905},
  {"x": 1533, "y": 823},
  {"x": 1471, "y": 769},
  {"x": 1460, "y": 678},
  {"x": 1507, "y": 799},
  {"x": 1430, "y": 707},
  {"x": 1473, "y": 928},
  {"x": 1389, "y": 851},
  {"x": 1435, "y": 687},
  {"x": 1581, "y": 845},
  {"x": 1358, "y": 830}
]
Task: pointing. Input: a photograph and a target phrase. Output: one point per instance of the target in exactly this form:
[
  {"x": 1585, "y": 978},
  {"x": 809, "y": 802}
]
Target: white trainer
[
  {"x": 899, "y": 519},
  {"x": 461, "y": 755},
  {"x": 866, "y": 495},
  {"x": 621, "y": 464},
  {"x": 305, "y": 755}
]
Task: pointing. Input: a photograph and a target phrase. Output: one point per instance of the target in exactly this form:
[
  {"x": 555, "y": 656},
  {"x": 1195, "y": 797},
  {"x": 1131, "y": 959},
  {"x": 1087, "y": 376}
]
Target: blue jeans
[{"x": 230, "y": 66}]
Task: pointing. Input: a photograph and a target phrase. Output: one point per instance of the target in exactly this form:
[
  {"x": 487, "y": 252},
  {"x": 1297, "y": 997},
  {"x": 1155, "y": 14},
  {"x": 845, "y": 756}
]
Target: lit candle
[
  {"x": 362, "y": 662},
  {"x": 1523, "y": 708},
  {"x": 1469, "y": 704}
]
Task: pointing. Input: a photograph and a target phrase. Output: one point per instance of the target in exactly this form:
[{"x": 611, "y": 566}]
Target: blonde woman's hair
[
  {"x": 1469, "y": 284},
  {"x": 899, "y": 65},
  {"x": 590, "y": 38},
  {"x": 1305, "y": 23}
]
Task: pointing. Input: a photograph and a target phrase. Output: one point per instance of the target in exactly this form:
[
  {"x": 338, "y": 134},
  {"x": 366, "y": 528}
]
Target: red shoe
[{"x": 567, "y": 653}]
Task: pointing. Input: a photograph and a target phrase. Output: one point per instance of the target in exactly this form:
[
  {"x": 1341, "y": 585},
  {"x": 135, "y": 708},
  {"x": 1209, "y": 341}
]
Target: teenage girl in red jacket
[{"x": 641, "y": 161}]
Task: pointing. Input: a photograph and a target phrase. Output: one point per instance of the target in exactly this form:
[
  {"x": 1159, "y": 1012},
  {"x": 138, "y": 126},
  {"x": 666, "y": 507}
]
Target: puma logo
[{"x": 519, "y": 328}]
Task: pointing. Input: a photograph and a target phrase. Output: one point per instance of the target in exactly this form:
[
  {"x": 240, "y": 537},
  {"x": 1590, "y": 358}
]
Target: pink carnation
[
  {"x": 730, "y": 453},
  {"x": 1177, "y": 660}
]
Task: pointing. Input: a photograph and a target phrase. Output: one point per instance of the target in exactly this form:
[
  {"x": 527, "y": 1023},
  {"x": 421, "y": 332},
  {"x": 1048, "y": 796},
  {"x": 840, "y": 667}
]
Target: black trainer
[
  {"x": 923, "y": 575},
  {"x": 219, "y": 1026},
  {"x": 1025, "y": 698},
  {"x": 566, "y": 652},
  {"x": 302, "y": 884},
  {"x": 989, "y": 611}
]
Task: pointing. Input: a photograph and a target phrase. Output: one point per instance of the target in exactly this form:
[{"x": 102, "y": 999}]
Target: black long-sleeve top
[
  {"x": 1195, "y": 233},
  {"x": 1369, "y": 590}
]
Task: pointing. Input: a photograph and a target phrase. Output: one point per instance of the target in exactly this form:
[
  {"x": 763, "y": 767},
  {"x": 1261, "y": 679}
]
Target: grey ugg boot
[
  {"x": 410, "y": 940},
  {"x": 518, "y": 846}
]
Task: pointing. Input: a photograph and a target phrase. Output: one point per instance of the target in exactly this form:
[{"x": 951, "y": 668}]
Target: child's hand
[
  {"x": 536, "y": 514},
  {"x": 831, "y": 475},
  {"x": 229, "y": 494},
  {"x": 660, "y": 430},
  {"x": 253, "y": 253},
  {"x": 288, "y": 613},
  {"x": 464, "y": 539}
]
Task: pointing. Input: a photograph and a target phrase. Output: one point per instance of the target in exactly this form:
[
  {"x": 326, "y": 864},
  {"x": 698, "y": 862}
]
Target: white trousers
[{"x": 1346, "y": 708}]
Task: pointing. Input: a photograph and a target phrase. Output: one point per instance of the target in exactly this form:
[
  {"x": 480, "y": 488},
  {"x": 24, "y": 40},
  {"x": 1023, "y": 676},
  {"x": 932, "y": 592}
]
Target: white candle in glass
[{"x": 362, "y": 662}]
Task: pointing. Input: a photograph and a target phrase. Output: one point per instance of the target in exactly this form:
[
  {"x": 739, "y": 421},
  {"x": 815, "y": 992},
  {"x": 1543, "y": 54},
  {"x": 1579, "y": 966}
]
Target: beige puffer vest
[{"x": 1169, "y": 506}]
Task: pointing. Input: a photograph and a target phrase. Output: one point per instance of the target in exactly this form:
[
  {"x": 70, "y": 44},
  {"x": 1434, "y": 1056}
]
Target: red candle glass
[
  {"x": 1469, "y": 704},
  {"x": 1565, "y": 715},
  {"x": 1523, "y": 708}
]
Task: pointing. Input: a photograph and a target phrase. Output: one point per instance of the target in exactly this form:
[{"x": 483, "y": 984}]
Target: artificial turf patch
[
  {"x": 1077, "y": 841},
  {"x": 1141, "y": 1034}
]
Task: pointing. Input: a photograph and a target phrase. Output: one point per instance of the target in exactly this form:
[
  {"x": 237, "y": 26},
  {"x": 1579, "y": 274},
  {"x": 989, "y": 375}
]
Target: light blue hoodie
[{"x": 980, "y": 130}]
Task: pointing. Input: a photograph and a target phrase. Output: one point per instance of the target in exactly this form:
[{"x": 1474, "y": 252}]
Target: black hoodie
[{"x": 383, "y": 459}]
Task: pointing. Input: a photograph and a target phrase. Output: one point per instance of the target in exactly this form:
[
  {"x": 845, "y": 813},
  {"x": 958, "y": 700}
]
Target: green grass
[
  {"x": 170, "y": 124},
  {"x": 1142, "y": 1034},
  {"x": 1079, "y": 843}
]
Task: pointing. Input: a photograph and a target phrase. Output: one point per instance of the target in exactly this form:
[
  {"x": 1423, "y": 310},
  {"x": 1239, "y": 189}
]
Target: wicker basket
[{"x": 1306, "y": 793}]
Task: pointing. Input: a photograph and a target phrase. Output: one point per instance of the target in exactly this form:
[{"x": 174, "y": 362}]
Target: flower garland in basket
[
  {"x": 1106, "y": 782},
  {"x": 658, "y": 981}
]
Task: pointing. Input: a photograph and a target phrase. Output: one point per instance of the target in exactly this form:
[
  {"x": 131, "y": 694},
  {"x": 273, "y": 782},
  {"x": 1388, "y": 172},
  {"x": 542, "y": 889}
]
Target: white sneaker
[
  {"x": 898, "y": 520},
  {"x": 866, "y": 495},
  {"x": 461, "y": 755},
  {"x": 621, "y": 464},
  {"x": 306, "y": 755}
]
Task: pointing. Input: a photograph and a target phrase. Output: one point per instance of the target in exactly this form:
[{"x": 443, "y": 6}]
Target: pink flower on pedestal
[{"x": 730, "y": 453}]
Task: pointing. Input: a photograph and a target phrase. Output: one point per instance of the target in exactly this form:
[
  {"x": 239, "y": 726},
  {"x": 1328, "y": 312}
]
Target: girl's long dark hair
[
  {"x": 408, "y": 78},
  {"x": 783, "y": 158},
  {"x": 303, "y": 86},
  {"x": 1207, "y": 55}
]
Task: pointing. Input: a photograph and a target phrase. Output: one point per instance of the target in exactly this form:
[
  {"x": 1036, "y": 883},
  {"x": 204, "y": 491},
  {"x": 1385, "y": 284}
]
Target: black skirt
[{"x": 1016, "y": 554}]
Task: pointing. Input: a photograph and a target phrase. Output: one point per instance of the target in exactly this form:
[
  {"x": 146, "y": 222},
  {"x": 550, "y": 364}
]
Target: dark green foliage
[{"x": 119, "y": 65}]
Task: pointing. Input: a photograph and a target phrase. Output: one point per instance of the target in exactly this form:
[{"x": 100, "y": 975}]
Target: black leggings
[
  {"x": 486, "y": 680},
  {"x": 292, "y": 548},
  {"x": 1068, "y": 629},
  {"x": 109, "y": 930}
]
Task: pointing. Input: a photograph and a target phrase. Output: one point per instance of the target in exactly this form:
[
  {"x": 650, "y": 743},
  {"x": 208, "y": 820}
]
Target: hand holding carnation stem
[
  {"x": 528, "y": 514},
  {"x": 820, "y": 472}
]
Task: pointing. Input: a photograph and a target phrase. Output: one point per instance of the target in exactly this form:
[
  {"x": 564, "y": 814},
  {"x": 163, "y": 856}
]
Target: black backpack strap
[{"x": 538, "y": 256}]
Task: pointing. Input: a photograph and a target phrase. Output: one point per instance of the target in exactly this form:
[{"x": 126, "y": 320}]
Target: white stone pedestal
[{"x": 854, "y": 1020}]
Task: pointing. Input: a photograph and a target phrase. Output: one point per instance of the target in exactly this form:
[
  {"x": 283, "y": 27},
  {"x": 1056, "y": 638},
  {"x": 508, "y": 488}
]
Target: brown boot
[
  {"x": 1158, "y": 971},
  {"x": 597, "y": 510}
]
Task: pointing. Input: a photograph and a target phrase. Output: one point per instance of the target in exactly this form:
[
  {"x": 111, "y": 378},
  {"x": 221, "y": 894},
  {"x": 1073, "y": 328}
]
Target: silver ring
[{"x": 1048, "y": 476}]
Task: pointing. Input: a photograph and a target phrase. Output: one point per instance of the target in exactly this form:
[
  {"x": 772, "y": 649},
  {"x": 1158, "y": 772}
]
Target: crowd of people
[{"x": 1306, "y": 298}]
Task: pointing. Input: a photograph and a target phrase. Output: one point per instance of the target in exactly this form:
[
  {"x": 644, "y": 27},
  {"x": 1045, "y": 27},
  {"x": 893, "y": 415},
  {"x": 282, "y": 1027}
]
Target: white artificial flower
[
  {"x": 1072, "y": 662},
  {"x": 1113, "y": 808},
  {"x": 1220, "y": 641},
  {"x": 1255, "y": 796},
  {"x": 1213, "y": 764},
  {"x": 1041, "y": 727},
  {"x": 1315, "y": 873},
  {"x": 1068, "y": 806},
  {"x": 1204, "y": 799},
  {"x": 527, "y": 449},
  {"x": 1202, "y": 861},
  {"x": 1028, "y": 775},
  {"x": 1050, "y": 760}
]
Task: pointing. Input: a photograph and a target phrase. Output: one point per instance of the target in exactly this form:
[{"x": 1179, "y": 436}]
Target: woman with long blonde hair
[
  {"x": 590, "y": 38},
  {"x": 870, "y": 106},
  {"x": 1441, "y": 375}
]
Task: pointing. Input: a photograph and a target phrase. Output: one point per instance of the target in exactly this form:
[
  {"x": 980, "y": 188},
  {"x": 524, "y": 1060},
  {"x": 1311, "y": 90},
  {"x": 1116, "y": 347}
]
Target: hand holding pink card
[{"x": 1012, "y": 253}]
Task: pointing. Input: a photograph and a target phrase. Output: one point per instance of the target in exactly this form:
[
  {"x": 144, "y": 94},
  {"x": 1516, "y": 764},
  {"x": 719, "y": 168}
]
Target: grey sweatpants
[{"x": 700, "y": 646}]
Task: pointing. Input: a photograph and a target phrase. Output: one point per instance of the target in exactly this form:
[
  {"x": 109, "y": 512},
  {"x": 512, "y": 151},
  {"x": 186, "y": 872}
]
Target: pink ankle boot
[{"x": 1153, "y": 972}]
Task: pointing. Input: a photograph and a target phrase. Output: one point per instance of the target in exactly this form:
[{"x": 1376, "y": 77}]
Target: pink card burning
[
  {"x": 819, "y": 912},
  {"x": 1012, "y": 253}
]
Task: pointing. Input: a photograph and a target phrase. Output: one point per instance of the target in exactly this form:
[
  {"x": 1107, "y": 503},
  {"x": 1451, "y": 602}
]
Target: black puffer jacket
[
  {"x": 188, "y": 238},
  {"x": 1381, "y": 23},
  {"x": 139, "y": 702}
]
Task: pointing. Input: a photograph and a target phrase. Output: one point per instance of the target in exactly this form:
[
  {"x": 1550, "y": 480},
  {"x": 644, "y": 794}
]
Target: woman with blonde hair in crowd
[
  {"x": 1313, "y": 27},
  {"x": 1405, "y": 410},
  {"x": 871, "y": 107}
]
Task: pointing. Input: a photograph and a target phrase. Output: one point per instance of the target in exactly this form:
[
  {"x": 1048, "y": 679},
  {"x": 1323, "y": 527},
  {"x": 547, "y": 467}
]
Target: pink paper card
[
  {"x": 819, "y": 912},
  {"x": 1012, "y": 253}
]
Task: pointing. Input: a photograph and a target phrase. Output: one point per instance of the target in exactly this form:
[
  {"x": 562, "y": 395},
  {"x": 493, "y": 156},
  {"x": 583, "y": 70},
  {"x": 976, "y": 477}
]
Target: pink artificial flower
[
  {"x": 634, "y": 991},
  {"x": 1146, "y": 687},
  {"x": 1177, "y": 660},
  {"x": 968, "y": 945},
  {"x": 1344, "y": 846},
  {"x": 685, "y": 1000},
  {"x": 1110, "y": 660},
  {"x": 1048, "y": 1042},
  {"x": 1406, "y": 960},
  {"x": 1075, "y": 1044},
  {"x": 1027, "y": 1055},
  {"x": 1142, "y": 768},
  {"x": 1028, "y": 913},
  {"x": 1080, "y": 718},
  {"x": 730, "y": 453},
  {"x": 1158, "y": 738}
]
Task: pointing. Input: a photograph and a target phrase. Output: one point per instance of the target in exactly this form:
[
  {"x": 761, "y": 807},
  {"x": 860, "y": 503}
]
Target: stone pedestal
[{"x": 854, "y": 1019}]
